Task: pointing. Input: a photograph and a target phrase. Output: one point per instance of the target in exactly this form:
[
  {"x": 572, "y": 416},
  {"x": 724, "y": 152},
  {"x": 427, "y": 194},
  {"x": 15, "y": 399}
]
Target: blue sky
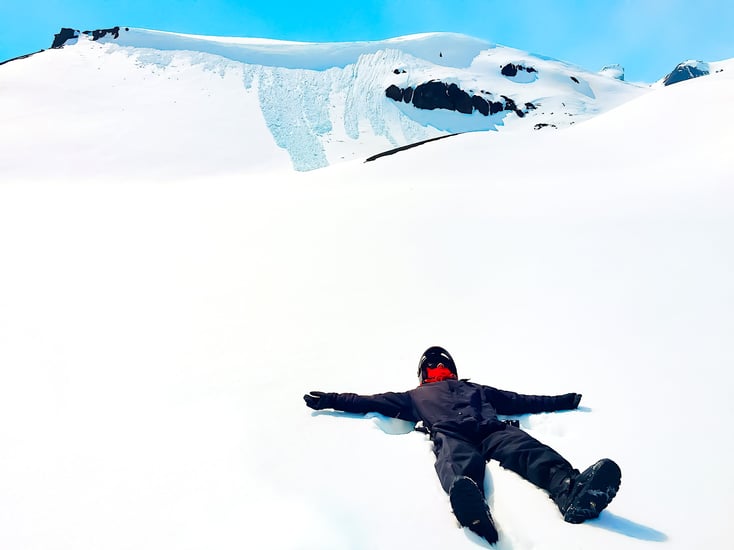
[{"x": 647, "y": 37}]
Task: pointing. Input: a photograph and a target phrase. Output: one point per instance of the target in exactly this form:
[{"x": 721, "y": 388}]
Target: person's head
[{"x": 435, "y": 365}]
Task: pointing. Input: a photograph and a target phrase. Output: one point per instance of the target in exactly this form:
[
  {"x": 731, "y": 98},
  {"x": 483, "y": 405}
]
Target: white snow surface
[
  {"x": 155, "y": 98},
  {"x": 460, "y": 50},
  {"x": 157, "y": 336}
]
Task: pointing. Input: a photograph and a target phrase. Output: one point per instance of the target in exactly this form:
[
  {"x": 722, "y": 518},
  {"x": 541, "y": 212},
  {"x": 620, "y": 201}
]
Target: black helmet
[{"x": 432, "y": 357}]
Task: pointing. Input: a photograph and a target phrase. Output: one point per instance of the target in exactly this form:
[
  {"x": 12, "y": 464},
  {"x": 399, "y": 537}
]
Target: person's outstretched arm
[
  {"x": 395, "y": 405},
  {"x": 507, "y": 402}
]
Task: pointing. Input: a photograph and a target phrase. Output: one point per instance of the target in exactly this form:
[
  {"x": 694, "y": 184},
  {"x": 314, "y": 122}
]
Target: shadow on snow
[{"x": 624, "y": 526}]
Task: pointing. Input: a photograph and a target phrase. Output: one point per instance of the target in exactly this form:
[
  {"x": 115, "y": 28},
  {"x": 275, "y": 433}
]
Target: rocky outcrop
[
  {"x": 62, "y": 36},
  {"x": 511, "y": 69},
  {"x": 99, "y": 33},
  {"x": 66, "y": 34},
  {"x": 440, "y": 95},
  {"x": 686, "y": 71}
]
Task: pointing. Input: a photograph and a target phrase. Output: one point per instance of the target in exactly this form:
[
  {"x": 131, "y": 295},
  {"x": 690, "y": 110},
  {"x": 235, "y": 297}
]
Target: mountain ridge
[{"x": 322, "y": 103}]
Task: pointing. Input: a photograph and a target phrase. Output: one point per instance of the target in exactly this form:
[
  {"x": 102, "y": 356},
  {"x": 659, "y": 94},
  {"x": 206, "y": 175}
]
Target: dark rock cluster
[
  {"x": 99, "y": 33},
  {"x": 439, "y": 95},
  {"x": 511, "y": 69},
  {"x": 67, "y": 34},
  {"x": 62, "y": 36},
  {"x": 683, "y": 72}
]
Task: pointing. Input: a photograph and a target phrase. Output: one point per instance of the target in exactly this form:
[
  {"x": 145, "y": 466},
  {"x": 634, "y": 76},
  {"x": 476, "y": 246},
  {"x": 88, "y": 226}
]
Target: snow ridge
[{"x": 323, "y": 103}]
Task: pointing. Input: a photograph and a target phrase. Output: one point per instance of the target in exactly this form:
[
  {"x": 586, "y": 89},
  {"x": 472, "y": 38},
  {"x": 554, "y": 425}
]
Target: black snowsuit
[{"x": 461, "y": 417}]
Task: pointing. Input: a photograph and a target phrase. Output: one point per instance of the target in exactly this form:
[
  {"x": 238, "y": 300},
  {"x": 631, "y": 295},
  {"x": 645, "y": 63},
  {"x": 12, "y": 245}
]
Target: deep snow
[{"x": 156, "y": 337}]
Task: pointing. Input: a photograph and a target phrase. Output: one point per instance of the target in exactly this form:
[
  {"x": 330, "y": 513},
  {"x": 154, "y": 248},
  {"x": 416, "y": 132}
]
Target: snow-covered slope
[
  {"x": 136, "y": 102},
  {"x": 156, "y": 338}
]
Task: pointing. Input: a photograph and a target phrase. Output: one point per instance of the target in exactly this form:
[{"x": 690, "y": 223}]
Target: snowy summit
[{"x": 168, "y": 95}]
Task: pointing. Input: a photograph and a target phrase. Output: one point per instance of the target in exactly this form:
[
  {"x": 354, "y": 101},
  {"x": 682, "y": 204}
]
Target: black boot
[
  {"x": 471, "y": 509},
  {"x": 583, "y": 496}
]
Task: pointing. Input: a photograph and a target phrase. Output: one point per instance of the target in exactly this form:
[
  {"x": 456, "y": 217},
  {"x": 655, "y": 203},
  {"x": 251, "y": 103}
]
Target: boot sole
[
  {"x": 596, "y": 494},
  {"x": 471, "y": 509}
]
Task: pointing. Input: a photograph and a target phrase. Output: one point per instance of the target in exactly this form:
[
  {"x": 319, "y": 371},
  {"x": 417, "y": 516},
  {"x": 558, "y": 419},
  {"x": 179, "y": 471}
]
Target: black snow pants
[{"x": 512, "y": 447}]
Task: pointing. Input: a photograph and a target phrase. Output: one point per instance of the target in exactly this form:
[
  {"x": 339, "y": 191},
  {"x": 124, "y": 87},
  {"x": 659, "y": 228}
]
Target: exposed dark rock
[
  {"x": 439, "y": 95},
  {"x": 530, "y": 106},
  {"x": 509, "y": 103},
  {"x": 394, "y": 93},
  {"x": 480, "y": 104},
  {"x": 432, "y": 95},
  {"x": 63, "y": 35},
  {"x": 460, "y": 99},
  {"x": 511, "y": 69},
  {"x": 576, "y": 80},
  {"x": 544, "y": 125},
  {"x": 685, "y": 71},
  {"x": 67, "y": 34},
  {"x": 99, "y": 33},
  {"x": 511, "y": 106},
  {"x": 496, "y": 107}
]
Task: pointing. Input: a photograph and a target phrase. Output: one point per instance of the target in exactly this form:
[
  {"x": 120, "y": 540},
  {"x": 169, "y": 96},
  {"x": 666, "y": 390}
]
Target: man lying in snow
[{"x": 461, "y": 418}]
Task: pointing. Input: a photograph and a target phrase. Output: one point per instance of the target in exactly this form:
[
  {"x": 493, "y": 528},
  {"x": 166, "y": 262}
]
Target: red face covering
[{"x": 440, "y": 372}]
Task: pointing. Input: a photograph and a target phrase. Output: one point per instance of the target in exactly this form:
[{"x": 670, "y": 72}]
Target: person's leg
[
  {"x": 518, "y": 451},
  {"x": 461, "y": 468},
  {"x": 578, "y": 496},
  {"x": 457, "y": 458}
]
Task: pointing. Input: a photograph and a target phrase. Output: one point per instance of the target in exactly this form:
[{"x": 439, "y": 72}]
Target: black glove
[
  {"x": 576, "y": 400},
  {"x": 318, "y": 400},
  {"x": 570, "y": 400}
]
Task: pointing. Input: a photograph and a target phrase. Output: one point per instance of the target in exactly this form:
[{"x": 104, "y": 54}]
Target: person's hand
[
  {"x": 570, "y": 401},
  {"x": 318, "y": 400},
  {"x": 576, "y": 400}
]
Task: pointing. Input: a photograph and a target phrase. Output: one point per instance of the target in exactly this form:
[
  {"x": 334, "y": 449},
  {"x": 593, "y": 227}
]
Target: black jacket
[{"x": 456, "y": 407}]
